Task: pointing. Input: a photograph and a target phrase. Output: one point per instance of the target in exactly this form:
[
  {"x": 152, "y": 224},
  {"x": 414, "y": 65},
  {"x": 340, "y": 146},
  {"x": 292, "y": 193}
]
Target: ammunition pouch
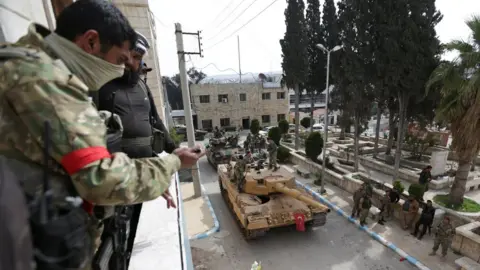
[
  {"x": 158, "y": 141},
  {"x": 63, "y": 242}
]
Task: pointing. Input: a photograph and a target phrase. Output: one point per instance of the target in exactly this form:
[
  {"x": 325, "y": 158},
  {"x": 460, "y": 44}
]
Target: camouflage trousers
[
  {"x": 440, "y": 241},
  {"x": 356, "y": 209},
  {"x": 363, "y": 215},
  {"x": 272, "y": 160}
]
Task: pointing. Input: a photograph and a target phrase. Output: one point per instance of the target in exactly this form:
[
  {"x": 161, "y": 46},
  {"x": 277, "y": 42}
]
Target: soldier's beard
[{"x": 131, "y": 77}]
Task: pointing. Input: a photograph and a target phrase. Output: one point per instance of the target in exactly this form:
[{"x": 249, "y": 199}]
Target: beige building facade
[
  {"x": 236, "y": 104},
  {"x": 143, "y": 21}
]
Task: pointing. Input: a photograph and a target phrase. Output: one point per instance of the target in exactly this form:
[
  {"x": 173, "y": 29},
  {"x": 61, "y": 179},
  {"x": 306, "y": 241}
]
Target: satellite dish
[{"x": 262, "y": 77}]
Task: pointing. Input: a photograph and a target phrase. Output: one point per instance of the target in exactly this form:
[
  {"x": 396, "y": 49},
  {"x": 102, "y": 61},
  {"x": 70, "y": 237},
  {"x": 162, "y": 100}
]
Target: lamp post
[{"x": 325, "y": 118}]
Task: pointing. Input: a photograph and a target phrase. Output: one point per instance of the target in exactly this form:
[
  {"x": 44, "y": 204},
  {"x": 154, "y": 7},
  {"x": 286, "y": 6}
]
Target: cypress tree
[{"x": 294, "y": 54}]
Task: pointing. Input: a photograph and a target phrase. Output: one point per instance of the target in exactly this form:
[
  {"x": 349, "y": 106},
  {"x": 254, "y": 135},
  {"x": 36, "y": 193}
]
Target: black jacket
[
  {"x": 428, "y": 214},
  {"x": 133, "y": 102}
]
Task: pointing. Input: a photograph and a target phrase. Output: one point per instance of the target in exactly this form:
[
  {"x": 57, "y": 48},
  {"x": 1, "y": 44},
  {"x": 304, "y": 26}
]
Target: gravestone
[{"x": 438, "y": 161}]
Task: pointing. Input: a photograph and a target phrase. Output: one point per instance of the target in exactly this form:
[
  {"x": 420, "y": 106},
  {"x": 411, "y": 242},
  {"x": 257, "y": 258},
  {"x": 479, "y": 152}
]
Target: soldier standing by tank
[
  {"x": 217, "y": 133},
  {"x": 247, "y": 142},
  {"x": 357, "y": 196},
  {"x": 365, "y": 204},
  {"x": 239, "y": 171},
  {"x": 46, "y": 77},
  {"x": 443, "y": 237},
  {"x": 272, "y": 154}
]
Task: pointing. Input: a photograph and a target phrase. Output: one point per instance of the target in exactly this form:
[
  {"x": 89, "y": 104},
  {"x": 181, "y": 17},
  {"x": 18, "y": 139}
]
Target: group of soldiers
[
  {"x": 254, "y": 143},
  {"x": 243, "y": 162},
  {"x": 444, "y": 231}
]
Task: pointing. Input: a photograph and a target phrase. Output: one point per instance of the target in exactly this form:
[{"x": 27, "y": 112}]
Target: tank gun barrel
[{"x": 280, "y": 187}]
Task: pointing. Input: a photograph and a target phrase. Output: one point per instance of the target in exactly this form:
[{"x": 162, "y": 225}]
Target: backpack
[{"x": 16, "y": 251}]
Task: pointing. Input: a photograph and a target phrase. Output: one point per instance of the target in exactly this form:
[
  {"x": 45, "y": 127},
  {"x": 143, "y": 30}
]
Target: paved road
[{"x": 337, "y": 246}]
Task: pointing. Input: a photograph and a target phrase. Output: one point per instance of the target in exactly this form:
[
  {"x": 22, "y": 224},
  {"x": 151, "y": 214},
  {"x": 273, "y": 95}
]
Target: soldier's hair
[{"x": 102, "y": 16}]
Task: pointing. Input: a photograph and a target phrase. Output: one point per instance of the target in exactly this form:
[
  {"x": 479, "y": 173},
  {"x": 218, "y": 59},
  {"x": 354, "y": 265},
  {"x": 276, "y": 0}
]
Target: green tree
[
  {"x": 316, "y": 58},
  {"x": 255, "y": 127},
  {"x": 306, "y": 122},
  {"x": 314, "y": 145},
  {"x": 330, "y": 34},
  {"x": 294, "y": 54},
  {"x": 275, "y": 134},
  {"x": 460, "y": 103},
  {"x": 284, "y": 126},
  {"x": 355, "y": 68},
  {"x": 414, "y": 54}
]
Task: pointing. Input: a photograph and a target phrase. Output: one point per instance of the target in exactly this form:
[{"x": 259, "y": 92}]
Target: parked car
[{"x": 264, "y": 131}]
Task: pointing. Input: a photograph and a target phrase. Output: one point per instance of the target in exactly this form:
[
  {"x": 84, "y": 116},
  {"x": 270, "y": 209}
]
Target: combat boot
[{"x": 433, "y": 253}]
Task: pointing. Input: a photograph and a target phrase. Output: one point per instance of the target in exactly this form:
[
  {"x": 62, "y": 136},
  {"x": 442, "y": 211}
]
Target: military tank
[
  {"x": 268, "y": 199},
  {"x": 221, "y": 150}
]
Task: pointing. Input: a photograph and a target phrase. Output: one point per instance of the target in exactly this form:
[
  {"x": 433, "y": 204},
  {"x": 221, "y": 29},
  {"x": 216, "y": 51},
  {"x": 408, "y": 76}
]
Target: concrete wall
[
  {"x": 254, "y": 107},
  {"x": 16, "y": 16},
  {"x": 137, "y": 12}
]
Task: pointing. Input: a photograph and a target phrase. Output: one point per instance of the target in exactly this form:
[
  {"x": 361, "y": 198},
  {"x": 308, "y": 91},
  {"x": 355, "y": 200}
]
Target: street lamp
[{"x": 325, "y": 118}]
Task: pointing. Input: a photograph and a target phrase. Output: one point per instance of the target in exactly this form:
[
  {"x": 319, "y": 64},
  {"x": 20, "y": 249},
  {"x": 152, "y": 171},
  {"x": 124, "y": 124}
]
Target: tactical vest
[{"x": 51, "y": 210}]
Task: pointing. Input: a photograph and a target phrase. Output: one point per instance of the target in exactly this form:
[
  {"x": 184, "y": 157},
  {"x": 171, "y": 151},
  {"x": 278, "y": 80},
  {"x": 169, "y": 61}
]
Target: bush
[
  {"x": 283, "y": 154},
  {"x": 468, "y": 205},
  {"x": 255, "y": 127},
  {"x": 177, "y": 138},
  {"x": 398, "y": 186},
  {"x": 313, "y": 145},
  {"x": 283, "y": 126},
  {"x": 306, "y": 122},
  {"x": 416, "y": 190},
  {"x": 275, "y": 134}
]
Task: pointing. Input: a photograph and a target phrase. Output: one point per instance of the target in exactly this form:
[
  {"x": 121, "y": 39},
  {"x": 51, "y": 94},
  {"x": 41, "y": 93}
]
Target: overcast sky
[{"x": 259, "y": 40}]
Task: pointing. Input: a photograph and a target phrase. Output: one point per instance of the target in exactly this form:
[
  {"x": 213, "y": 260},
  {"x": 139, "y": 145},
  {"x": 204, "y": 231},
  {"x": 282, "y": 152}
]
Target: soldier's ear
[{"x": 89, "y": 42}]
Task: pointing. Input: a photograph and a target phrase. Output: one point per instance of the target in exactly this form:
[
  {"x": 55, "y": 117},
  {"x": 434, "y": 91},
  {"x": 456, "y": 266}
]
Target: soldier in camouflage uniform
[
  {"x": 365, "y": 204},
  {"x": 443, "y": 236},
  {"x": 272, "y": 154},
  {"x": 239, "y": 171},
  {"x": 357, "y": 196},
  {"x": 46, "y": 77},
  {"x": 247, "y": 143}
]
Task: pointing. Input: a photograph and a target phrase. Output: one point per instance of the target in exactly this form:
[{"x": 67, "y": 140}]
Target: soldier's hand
[
  {"x": 168, "y": 197},
  {"x": 189, "y": 156}
]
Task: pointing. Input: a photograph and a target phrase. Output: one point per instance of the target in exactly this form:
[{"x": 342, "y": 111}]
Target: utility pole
[
  {"x": 239, "y": 62},
  {"x": 186, "y": 99}
]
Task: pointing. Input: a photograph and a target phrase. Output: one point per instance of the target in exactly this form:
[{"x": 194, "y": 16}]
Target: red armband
[{"x": 78, "y": 159}]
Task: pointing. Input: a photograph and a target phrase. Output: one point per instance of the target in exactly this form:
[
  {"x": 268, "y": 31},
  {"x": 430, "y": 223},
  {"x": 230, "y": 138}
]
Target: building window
[
  {"x": 223, "y": 98},
  {"x": 265, "y": 96},
  {"x": 243, "y": 97},
  {"x": 280, "y": 117},
  {"x": 224, "y": 122},
  {"x": 207, "y": 124},
  {"x": 321, "y": 98},
  {"x": 265, "y": 119},
  {"x": 281, "y": 95},
  {"x": 204, "y": 99}
]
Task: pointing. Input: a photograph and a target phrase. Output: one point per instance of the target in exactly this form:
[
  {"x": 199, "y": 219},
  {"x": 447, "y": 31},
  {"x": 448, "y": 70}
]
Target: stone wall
[
  {"x": 235, "y": 109},
  {"x": 139, "y": 16}
]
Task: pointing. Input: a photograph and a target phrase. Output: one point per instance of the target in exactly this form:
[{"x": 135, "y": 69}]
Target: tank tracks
[{"x": 248, "y": 234}]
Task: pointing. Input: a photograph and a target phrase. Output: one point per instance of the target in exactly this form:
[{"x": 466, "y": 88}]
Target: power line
[
  {"x": 220, "y": 13},
  {"x": 245, "y": 24},
  {"x": 156, "y": 18},
  {"x": 233, "y": 10},
  {"x": 234, "y": 20}
]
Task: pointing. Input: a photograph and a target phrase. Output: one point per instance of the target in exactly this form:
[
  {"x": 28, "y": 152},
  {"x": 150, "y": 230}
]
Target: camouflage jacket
[
  {"x": 36, "y": 87},
  {"x": 444, "y": 231},
  {"x": 272, "y": 148}
]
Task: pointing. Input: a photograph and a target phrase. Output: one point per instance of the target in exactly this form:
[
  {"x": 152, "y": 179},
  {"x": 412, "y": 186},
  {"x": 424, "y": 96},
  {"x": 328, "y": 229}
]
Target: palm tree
[{"x": 459, "y": 81}]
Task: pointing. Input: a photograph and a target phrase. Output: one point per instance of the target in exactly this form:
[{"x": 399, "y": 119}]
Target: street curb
[
  {"x": 216, "y": 226},
  {"x": 373, "y": 234}
]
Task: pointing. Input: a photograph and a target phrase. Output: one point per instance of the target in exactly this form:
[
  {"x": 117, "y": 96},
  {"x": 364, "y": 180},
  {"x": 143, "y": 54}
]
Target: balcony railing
[{"x": 161, "y": 241}]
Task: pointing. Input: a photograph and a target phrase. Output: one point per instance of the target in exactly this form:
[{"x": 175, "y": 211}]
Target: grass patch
[{"x": 469, "y": 206}]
